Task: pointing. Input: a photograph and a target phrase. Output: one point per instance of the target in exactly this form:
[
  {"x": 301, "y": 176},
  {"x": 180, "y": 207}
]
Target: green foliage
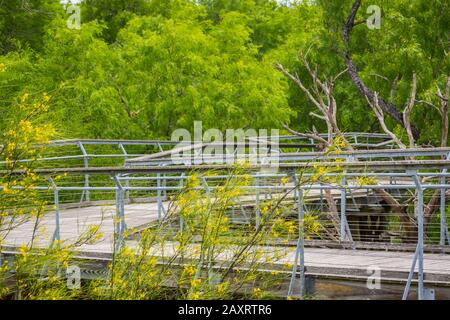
[
  {"x": 159, "y": 74},
  {"x": 413, "y": 38},
  {"x": 141, "y": 68},
  {"x": 23, "y": 23}
]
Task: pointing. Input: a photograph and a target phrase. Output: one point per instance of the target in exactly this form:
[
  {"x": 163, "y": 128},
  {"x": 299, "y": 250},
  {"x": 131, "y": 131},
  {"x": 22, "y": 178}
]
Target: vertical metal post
[
  {"x": 56, "y": 233},
  {"x": 127, "y": 182},
  {"x": 120, "y": 214},
  {"x": 57, "y": 222},
  {"x": 345, "y": 228},
  {"x": 420, "y": 242},
  {"x": 86, "y": 176},
  {"x": 443, "y": 213},
  {"x": 301, "y": 240},
  {"x": 420, "y": 235},
  {"x": 300, "y": 249},
  {"x": 158, "y": 192},
  {"x": 321, "y": 200},
  {"x": 411, "y": 274},
  {"x": 164, "y": 183},
  {"x": 443, "y": 220},
  {"x": 343, "y": 218},
  {"x": 181, "y": 217}
]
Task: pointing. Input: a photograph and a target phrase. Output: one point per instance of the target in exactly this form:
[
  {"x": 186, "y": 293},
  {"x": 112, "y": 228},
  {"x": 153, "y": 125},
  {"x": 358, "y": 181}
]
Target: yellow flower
[
  {"x": 257, "y": 292},
  {"x": 26, "y": 126},
  {"x": 284, "y": 180},
  {"x": 275, "y": 273},
  {"x": 23, "y": 249},
  {"x": 6, "y": 190},
  {"x": 196, "y": 282},
  {"x": 222, "y": 287},
  {"x": 24, "y": 97},
  {"x": 291, "y": 228},
  {"x": 194, "y": 296},
  {"x": 366, "y": 181},
  {"x": 190, "y": 270},
  {"x": 2, "y": 67}
]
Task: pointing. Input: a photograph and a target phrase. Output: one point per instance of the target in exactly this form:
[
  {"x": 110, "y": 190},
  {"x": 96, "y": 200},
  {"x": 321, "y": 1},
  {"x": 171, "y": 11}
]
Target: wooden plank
[{"x": 327, "y": 262}]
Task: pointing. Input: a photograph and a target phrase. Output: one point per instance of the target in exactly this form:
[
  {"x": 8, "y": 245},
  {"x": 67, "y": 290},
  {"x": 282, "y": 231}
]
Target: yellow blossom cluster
[{"x": 366, "y": 181}]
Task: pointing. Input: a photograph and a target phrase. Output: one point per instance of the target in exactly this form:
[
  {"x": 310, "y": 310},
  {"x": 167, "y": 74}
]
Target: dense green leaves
[{"x": 142, "y": 68}]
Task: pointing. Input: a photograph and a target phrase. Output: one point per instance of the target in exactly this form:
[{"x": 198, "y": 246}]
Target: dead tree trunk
[{"x": 386, "y": 106}]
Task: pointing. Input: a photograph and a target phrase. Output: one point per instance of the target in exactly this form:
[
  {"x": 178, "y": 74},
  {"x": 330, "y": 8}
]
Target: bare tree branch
[
  {"x": 399, "y": 209},
  {"x": 299, "y": 84},
  {"x": 408, "y": 110},
  {"x": 313, "y": 136},
  {"x": 318, "y": 116},
  {"x": 339, "y": 75},
  {"x": 380, "y": 116},
  {"x": 333, "y": 213},
  {"x": 319, "y": 89}
]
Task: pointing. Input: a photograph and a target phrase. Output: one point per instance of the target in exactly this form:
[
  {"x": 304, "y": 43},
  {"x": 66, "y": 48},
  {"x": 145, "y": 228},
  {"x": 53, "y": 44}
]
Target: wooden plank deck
[
  {"x": 319, "y": 262},
  {"x": 74, "y": 221}
]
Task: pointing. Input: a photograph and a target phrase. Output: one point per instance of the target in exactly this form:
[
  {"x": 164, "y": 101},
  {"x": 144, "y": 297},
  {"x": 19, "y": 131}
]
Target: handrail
[
  {"x": 372, "y": 165},
  {"x": 302, "y": 156}
]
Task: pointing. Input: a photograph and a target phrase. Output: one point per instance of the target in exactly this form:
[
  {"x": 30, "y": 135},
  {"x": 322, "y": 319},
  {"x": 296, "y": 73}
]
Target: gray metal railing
[
  {"x": 413, "y": 180},
  {"x": 392, "y": 170}
]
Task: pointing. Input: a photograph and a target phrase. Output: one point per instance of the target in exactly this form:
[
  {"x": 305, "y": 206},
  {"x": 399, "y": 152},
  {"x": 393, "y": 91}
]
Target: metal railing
[{"x": 390, "y": 170}]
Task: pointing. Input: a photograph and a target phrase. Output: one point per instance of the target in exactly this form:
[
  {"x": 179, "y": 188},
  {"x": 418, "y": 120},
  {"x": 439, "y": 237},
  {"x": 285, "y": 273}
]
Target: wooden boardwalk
[
  {"x": 74, "y": 221},
  {"x": 335, "y": 263}
]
